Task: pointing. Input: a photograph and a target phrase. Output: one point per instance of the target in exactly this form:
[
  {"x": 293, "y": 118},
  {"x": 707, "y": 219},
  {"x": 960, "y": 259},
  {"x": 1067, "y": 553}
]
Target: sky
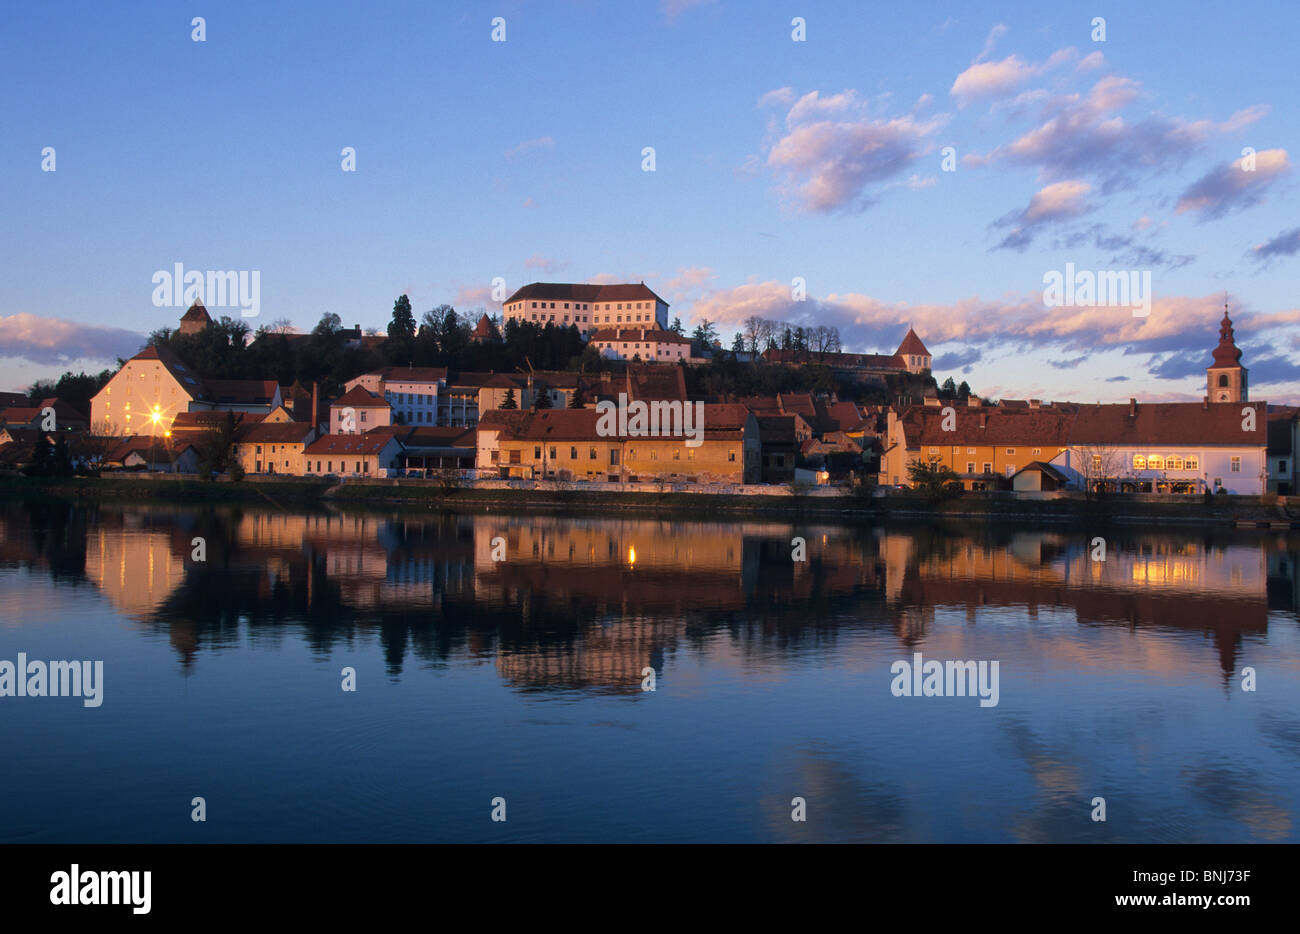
[{"x": 914, "y": 163}]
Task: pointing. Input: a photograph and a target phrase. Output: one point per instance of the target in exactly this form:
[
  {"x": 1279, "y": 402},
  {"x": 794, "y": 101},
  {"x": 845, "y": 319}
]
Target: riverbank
[{"x": 296, "y": 492}]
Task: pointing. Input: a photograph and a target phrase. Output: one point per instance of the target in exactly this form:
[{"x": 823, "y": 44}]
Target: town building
[
  {"x": 648, "y": 345},
  {"x": 274, "y": 447},
  {"x": 153, "y": 387},
  {"x": 358, "y": 411},
  {"x": 565, "y": 444},
  {"x": 587, "y": 307},
  {"x": 195, "y": 319},
  {"x": 371, "y": 454},
  {"x": 413, "y": 393}
]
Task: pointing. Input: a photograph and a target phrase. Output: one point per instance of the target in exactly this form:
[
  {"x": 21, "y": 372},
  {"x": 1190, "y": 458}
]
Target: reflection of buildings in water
[
  {"x": 1144, "y": 581},
  {"x": 611, "y": 656},
  {"x": 136, "y": 568}
]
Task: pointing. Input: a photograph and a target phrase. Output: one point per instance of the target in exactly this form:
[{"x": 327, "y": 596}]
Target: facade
[
  {"x": 358, "y": 411},
  {"x": 353, "y": 455},
  {"x": 195, "y": 319},
  {"x": 587, "y": 307},
  {"x": 984, "y": 445},
  {"x": 649, "y": 345},
  {"x": 274, "y": 447},
  {"x": 565, "y": 444},
  {"x": 414, "y": 393},
  {"x": 1283, "y": 435},
  {"x": 154, "y": 386}
]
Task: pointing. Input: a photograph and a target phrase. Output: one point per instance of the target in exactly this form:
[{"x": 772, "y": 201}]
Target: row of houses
[{"x": 553, "y": 426}]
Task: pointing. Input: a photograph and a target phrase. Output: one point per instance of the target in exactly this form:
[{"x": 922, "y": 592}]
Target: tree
[
  {"x": 402, "y": 327},
  {"x": 706, "y": 333},
  {"x": 579, "y": 398},
  {"x": 677, "y": 326},
  {"x": 963, "y": 391},
  {"x": 934, "y": 480},
  {"x": 329, "y": 323},
  {"x": 215, "y": 447},
  {"x": 542, "y": 399},
  {"x": 948, "y": 390},
  {"x": 738, "y": 343},
  {"x": 509, "y": 401}
]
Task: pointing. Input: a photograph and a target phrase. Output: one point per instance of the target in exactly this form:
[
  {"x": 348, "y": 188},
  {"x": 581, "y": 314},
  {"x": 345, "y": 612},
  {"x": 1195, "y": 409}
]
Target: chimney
[
  {"x": 1132, "y": 407},
  {"x": 1035, "y": 403},
  {"x": 1205, "y": 402},
  {"x": 972, "y": 401}
]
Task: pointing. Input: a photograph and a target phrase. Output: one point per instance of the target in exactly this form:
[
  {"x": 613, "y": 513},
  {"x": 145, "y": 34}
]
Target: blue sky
[{"x": 775, "y": 159}]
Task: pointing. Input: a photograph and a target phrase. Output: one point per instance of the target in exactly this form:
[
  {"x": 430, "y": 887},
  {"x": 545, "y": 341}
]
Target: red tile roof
[
  {"x": 197, "y": 312},
  {"x": 656, "y": 335},
  {"x": 359, "y": 397},
  {"x": 413, "y": 374},
  {"x": 1169, "y": 423},
  {"x": 912, "y": 345},
  {"x": 275, "y": 433},
  {"x": 372, "y": 442},
  {"x": 583, "y": 292}
]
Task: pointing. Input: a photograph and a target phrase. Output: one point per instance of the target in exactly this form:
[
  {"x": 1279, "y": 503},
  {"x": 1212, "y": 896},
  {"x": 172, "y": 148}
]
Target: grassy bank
[{"x": 301, "y": 492}]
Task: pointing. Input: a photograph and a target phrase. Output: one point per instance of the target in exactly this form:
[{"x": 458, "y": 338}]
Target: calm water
[{"x": 522, "y": 679}]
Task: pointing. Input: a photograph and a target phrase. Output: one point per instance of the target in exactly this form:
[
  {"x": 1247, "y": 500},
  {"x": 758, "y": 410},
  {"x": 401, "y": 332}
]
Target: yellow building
[
  {"x": 984, "y": 445},
  {"x": 569, "y": 445},
  {"x": 274, "y": 447}
]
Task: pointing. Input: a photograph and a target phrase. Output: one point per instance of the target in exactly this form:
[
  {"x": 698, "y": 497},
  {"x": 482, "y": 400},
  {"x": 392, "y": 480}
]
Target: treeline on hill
[{"x": 330, "y": 355}]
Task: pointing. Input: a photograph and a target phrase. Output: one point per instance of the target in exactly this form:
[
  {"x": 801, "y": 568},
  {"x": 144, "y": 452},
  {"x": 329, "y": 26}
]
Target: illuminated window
[
  {"x": 1236, "y": 465},
  {"x": 1139, "y": 462},
  {"x": 1155, "y": 462}
]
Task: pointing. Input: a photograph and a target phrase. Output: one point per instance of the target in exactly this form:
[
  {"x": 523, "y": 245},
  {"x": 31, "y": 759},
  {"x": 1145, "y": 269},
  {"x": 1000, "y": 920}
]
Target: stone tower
[{"x": 1226, "y": 377}]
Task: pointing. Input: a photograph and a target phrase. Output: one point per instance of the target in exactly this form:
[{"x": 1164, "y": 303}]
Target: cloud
[
  {"x": 57, "y": 341},
  {"x": 1176, "y": 324},
  {"x": 1287, "y": 243},
  {"x": 996, "y": 33},
  {"x": 834, "y": 155},
  {"x": 1056, "y": 202},
  {"x": 991, "y": 79},
  {"x": 958, "y": 359},
  {"x": 474, "y": 296},
  {"x": 688, "y": 282},
  {"x": 544, "y": 264},
  {"x": 1088, "y": 137},
  {"x": 1069, "y": 364},
  {"x": 1230, "y": 187},
  {"x": 530, "y": 145}
]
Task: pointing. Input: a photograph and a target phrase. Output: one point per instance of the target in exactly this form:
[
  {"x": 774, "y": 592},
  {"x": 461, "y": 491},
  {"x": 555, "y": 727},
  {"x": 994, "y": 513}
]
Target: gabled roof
[
  {"x": 240, "y": 391},
  {"x": 153, "y": 450},
  {"x": 584, "y": 292},
  {"x": 431, "y": 436},
  {"x": 359, "y": 397},
  {"x": 372, "y": 442},
  {"x": 1043, "y": 468},
  {"x": 925, "y": 425},
  {"x": 912, "y": 345},
  {"x": 487, "y": 380},
  {"x": 775, "y": 429},
  {"x": 275, "y": 433},
  {"x": 206, "y": 421},
  {"x": 1169, "y": 423}
]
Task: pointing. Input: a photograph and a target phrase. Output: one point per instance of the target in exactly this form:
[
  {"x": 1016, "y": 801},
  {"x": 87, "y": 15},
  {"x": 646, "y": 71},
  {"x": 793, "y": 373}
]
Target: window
[
  {"x": 1038, "y": 450},
  {"x": 1011, "y": 469},
  {"x": 731, "y": 456},
  {"x": 573, "y": 454},
  {"x": 1155, "y": 462},
  {"x": 970, "y": 451},
  {"x": 690, "y": 455},
  {"x": 1193, "y": 463},
  {"x": 537, "y": 452},
  {"x": 593, "y": 454},
  {"x": 934, "y": 450},
  {"x": 1139, "y": 462},
  {"x": 1173, "y": 463},
  {"x": 1236, "y": 465},
  {"x": 552, "y": 452},
  {"x": 1223, "y": 379},
  {"x": 970, "y": 466},
  {"x": 363, "y": 415},
  {"x": 1281, "y": 466},
  {"x": 1096, "y": 462},
  {"x": 677, "y": 454},
  {"x": 988, "y": 467},
  {"x": 654, "y": 455},
  {"x": 1011, "y": 450}
]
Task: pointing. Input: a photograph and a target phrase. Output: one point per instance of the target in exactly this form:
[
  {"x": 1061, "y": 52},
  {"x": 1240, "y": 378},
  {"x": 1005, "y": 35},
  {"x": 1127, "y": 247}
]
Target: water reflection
[
  {"x": 1120, "y": 677},
  {"x": 587, "y": 603}
]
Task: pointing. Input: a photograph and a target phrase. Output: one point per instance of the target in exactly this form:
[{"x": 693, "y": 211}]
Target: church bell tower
[{"x": 1226, "y": 377}]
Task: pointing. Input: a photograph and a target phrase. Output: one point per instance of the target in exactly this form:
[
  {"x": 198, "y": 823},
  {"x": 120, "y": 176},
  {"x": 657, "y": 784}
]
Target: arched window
[
  {"x": 1139, "y": 462},
  {"x": 1223, "y": 379},
  {"x": 1155, "y": 462}
]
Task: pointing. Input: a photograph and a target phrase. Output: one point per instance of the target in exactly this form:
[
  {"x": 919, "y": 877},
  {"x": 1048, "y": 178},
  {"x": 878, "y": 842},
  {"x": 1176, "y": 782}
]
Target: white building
[
  {"x": 587, "y": 307},
  {"x": 652, "y": 345}
]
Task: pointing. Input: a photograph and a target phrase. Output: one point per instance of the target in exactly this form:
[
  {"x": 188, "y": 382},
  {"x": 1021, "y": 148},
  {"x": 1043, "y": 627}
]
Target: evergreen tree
[
  {"x": 509, "y": 402},
  {"x": 402, "y": 327}
]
